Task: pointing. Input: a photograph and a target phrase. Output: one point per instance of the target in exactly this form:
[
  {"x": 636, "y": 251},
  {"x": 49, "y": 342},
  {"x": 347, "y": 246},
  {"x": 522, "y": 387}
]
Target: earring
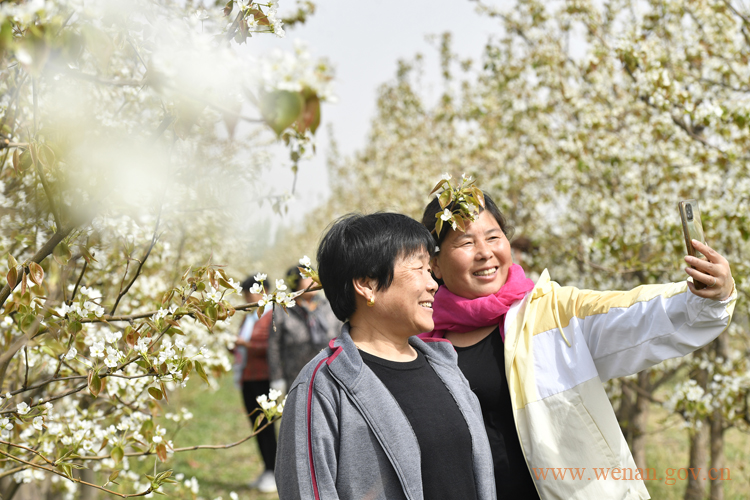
[{"x": 371, "y": 301}]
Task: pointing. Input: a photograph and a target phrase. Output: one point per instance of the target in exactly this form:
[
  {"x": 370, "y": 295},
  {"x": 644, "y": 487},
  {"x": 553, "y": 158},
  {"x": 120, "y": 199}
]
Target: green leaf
[
  {"x": 258, "y": 421},
  {"x": 117, "y": 455},
  {"x": 212, "y": 313},
  {"x": 201, "y": 372},
  {"x": 438, "y": 186},
  {"x": 310, "y": 117},
  {"x": 95, "y": 384},
  {"x": 65, "y": 469},
  {"x": 228, "y": 7},
  {"x": 445, "y": 198},
  {"x": 155, "y": 393},
  {"x": 114, "y": 475},
  {"x": 280, "y": 109},
  {"x": 164, "y": 391},
  {"x": 187, "y": 369},
  {"x": 147, "y": 426},
  {"x": 36, "y": 273},
  {"x": 12, "y": 277},
  {"x": 161, "y": 452}
]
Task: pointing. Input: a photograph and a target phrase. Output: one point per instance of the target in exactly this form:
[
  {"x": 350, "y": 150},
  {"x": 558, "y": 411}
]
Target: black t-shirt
[
  {"x": 443, "y": 436},
  {"x": 483, "y": 365}
]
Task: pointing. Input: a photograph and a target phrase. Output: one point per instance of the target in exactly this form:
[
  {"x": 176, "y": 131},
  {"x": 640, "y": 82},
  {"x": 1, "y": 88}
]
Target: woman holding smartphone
[{"x": 536, "y": 354}]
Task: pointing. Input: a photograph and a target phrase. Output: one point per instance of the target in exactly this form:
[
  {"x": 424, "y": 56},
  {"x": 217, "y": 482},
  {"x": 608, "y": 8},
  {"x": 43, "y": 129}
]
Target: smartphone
[{"x": 690, "y": 213}]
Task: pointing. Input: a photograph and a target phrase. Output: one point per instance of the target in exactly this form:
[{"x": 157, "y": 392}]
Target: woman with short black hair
[{"x": 381, "y": 414}]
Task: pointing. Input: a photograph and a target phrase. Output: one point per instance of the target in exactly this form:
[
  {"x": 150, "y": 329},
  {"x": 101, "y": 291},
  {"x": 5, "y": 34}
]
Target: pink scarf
[{"x": 457, "y": 314}]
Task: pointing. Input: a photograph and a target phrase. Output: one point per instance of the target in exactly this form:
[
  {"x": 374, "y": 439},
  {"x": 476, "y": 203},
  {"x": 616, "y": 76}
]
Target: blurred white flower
[
  {"x": 38, "y": 423},
  {"x": 273, "y": 394}
]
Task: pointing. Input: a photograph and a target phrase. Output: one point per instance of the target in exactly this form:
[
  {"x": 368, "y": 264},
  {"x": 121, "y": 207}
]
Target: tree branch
[
  {"x": 7, "y": 443},
  {"x": 641, "y": 391},
  {"x": 140, "y": 264},
  {"x": 74, "y": 479},
  {"x": 46, "y": 186},
  {"x": 80, "y": 277}
]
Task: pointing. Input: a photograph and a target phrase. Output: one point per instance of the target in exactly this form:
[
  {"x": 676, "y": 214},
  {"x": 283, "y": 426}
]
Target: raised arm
[{"x": 627, "y": 332}]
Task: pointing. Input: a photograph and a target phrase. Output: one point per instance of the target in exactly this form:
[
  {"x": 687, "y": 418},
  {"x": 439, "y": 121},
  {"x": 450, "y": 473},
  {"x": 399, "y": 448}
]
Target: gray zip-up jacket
[{"x": 344, "y": 436}]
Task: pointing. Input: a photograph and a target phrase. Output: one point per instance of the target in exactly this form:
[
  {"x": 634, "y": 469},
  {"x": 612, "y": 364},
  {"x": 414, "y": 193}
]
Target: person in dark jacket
[
  {"x": 300, "y": 332},
  {"x": 251, "y": 365},
  {"x": 381, "y": 414}
]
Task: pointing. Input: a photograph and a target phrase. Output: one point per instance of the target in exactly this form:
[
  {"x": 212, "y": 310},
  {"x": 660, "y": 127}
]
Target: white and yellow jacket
[{"x": 561, "y": 343}]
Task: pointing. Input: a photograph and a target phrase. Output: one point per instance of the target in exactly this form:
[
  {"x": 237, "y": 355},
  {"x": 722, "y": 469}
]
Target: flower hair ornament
[{"x": 460, "y": 204}]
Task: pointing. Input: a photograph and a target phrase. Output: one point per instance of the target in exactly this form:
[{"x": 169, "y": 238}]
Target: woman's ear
[
  {"x": 436, "y": 268},
  {"x": 364, "y": 288}
]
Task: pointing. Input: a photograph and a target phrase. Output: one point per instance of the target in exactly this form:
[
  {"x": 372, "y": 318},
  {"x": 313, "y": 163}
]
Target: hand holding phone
[{"x": 692, "y": 228}]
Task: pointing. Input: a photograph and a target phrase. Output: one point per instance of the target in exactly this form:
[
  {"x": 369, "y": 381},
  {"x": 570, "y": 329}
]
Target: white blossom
[{"x": 22, "y": 408}]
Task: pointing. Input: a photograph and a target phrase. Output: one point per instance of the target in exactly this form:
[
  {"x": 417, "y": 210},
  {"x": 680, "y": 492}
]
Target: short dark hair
[
  {"x": 366, "y": 246},
  {"x": 429, "y": 218},
  {"x": 292, "y": 278}
]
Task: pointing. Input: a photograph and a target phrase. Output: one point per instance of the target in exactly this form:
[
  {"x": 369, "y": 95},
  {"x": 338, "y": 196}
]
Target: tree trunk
[
  {"x": 640, "y": 422},
  {"x": 696, "y": 487},
  {"x": 87, "y": 492},
  {"x": 717, "y": 456},
  {"x": 716, "y": 476}
]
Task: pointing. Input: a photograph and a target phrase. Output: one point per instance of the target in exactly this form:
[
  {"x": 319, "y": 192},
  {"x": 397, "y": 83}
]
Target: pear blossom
[
  {"x": 71, "y": 354},
  {"x": 112, "y": 337},
  {"x": 260, "y": 277},
  {"x": 305, "y": 261},
  {"x": 280, "y": 285},
  {"x": 22, "y": 408},
  {"x": 142, "y": 344},
  {"x": 274, "y": 394},
  {"x": 214, "y": 295},
  {"x": 5, "y": 427},
  {"x": 38, "y": 423},
  {"x": 97, "y": 350}
]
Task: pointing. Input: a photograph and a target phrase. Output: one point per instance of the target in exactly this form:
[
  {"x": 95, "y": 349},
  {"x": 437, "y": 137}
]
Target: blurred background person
[
  {"x": 251, "y": 375},
  {"x": 300, "y": 333}
]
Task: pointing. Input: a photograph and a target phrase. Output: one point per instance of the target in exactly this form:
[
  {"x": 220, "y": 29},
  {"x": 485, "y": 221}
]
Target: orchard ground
[{"x": 219, "y": 418}]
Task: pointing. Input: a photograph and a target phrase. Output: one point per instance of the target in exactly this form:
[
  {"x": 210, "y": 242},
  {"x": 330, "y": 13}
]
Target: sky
[{"x": 364, "y": 41}]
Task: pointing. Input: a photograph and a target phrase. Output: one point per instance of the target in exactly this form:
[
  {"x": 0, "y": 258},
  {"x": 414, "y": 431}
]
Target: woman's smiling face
[
  {"x": 406, "y": 306},
  {"x": 474, "y": 263}
]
